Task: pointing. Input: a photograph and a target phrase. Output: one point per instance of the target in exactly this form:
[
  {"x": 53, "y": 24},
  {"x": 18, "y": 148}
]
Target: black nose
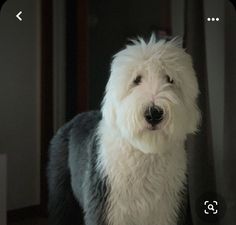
[{"x": 153, "y": 115}]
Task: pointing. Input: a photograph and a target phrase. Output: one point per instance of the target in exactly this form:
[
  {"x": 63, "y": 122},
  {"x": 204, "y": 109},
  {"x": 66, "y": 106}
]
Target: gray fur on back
[{"x": 72, "y": 173}]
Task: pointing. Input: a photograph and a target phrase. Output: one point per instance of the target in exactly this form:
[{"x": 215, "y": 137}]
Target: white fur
[{"x": 146, "y": 168}]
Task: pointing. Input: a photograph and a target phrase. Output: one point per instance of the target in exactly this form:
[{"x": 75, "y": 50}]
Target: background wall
[
  {"x": 215, "y": 46},
  {"x": 19, "y": 95},
  {"x": 3, "y": 178},
  {"x": 229, "y": 158}
]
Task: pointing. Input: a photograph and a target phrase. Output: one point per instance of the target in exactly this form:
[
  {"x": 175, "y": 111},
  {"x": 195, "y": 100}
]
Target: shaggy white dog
[{"x": 135, "y": 171}]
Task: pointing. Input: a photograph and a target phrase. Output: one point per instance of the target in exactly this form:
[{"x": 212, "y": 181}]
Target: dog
[{"x": 126, "y": 164}]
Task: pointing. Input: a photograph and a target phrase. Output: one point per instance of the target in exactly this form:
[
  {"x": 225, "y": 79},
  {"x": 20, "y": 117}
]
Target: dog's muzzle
[{"x": 153, "y": 115}]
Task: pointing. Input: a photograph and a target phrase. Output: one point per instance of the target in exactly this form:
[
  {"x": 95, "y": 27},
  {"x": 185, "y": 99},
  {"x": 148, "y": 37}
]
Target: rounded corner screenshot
[{"x": 117, "y": 112}]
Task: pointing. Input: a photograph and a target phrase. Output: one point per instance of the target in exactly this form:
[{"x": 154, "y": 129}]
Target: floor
[{"x": 33, "y": 221}]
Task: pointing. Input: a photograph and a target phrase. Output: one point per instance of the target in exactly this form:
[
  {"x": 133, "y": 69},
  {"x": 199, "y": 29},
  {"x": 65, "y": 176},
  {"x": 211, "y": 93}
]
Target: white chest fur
[{"x": 145, "y": 188}]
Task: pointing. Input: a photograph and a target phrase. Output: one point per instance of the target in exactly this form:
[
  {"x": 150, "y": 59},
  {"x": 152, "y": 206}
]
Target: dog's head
[{"x": 151, "y": 94}]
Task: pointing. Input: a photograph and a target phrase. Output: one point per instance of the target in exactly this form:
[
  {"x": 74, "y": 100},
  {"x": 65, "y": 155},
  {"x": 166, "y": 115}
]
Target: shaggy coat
[{"x": 114, "y": 168}]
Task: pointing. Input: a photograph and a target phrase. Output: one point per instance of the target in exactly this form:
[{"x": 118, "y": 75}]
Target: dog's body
[{"x": 127, "y": 165}]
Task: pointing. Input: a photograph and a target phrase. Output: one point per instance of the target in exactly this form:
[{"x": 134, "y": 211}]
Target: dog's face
[{"x": 151, "y": 95}]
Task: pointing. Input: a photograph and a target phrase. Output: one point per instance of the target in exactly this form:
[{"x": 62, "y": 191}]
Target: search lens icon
[{"x": 211, "y": 207}]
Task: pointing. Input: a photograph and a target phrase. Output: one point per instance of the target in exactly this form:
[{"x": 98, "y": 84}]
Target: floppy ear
[
  {"x": 108, "y": 109},
  {"x": 195, "y": 120}
]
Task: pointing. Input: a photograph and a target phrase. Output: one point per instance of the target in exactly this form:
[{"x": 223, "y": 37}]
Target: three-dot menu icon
[{"x": 212, "y": 19}]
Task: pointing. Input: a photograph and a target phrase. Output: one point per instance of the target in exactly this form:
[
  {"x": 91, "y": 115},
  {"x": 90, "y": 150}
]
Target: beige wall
[{"x": 19, "y": 92}]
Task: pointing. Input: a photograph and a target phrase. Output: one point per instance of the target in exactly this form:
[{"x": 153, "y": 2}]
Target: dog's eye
[
  {"x": 169, "y": 79},
  {"x": 137, "y": 80}
]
